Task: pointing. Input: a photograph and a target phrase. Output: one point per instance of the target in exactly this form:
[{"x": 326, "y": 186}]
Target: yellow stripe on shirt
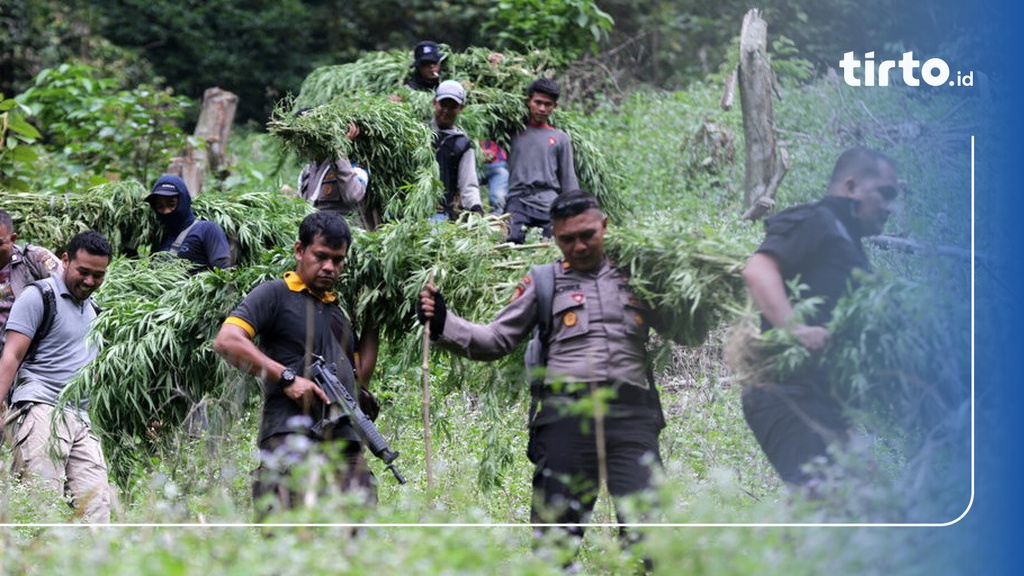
[{"x": 236, "y": 321}]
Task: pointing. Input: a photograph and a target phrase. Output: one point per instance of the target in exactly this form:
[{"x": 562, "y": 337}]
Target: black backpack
[
  {"x": 536, "y": 357},
  {"x": 449, "y": 147}
]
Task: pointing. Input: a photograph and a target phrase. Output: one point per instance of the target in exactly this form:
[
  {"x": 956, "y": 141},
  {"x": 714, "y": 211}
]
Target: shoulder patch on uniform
[{"x": 517, "y": 293}]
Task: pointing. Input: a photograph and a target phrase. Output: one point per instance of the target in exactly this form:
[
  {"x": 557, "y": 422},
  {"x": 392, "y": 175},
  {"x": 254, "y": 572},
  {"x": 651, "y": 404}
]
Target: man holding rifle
[{"x": 297, "y": 320}]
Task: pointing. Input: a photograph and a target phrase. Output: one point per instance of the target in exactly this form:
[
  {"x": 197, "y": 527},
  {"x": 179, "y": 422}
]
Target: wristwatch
[{"x": 287, "y": 378}]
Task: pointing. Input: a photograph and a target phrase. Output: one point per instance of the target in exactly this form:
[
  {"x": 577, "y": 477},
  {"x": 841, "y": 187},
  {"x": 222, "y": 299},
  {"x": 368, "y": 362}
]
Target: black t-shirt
[
  {"x": 280, "y": 316},
  {"x": 821, "y": 243}
]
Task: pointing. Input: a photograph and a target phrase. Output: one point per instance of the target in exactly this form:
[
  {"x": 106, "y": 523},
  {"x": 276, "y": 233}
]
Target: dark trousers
[
  {"x": 282, "y": 454},
  {"x": 523, "y": 216},
  {"x": 793, "y": 424},
  {"x": 565, "y": 478}
]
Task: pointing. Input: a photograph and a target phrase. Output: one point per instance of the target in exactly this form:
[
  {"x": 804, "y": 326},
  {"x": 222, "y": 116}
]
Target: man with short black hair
[
  {"x": 296, "y": 318},
  {"x": 821, "y": 243},
  {"x": 541, "y": 165},
  {"x": 47, "y": 347},
  {"x": 456, "y": 158},
  {"x": 597, "y": 333}
]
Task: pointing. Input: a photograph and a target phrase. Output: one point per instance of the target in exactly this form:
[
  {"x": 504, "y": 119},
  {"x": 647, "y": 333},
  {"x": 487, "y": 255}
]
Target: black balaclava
[{"x": 182, "y": 216}]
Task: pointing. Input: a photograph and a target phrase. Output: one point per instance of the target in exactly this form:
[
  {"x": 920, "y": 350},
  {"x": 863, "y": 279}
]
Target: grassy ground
[{"x": 682, "y": 155}]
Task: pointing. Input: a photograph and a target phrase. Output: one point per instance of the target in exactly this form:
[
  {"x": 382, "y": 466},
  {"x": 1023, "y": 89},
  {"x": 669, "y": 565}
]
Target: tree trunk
[
  {"x": 213, "y": 128},
  {"x": 765, "y": 165}
]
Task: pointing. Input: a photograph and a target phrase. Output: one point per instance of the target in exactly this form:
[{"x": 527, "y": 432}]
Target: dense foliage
[
  {"x": 262, "y": 50},
  {"x": 396, "y": 142},
  {"x": 678, "y": 159}
]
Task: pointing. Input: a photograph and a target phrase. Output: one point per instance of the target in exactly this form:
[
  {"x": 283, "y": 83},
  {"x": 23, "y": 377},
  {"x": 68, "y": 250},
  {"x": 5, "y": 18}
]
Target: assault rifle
[{"x": 344, "y": 405}]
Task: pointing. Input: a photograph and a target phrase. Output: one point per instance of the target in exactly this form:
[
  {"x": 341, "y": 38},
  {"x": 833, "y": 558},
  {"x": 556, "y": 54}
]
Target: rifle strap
[{"x": 176, "y": 246}]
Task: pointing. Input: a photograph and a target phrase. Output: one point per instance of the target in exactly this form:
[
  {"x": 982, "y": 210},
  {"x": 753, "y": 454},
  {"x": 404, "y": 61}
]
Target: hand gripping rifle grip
[{"x": 336, "y": 391}]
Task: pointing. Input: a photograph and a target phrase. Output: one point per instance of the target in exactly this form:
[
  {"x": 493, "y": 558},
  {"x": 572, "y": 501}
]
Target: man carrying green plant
[
  {"x": 295, "y": 319},
  {"x": 596, "y": 414},
  {"x": 199, "y": 241},
  {"x": 541, "y": 165},
  {"x": 819, "y": 245},
  {"x": 47, "y": 347},
  {"x": 426, "y": 65},
  {"x": 456, "y": 158},
  {"x": 339, "y": 184}
]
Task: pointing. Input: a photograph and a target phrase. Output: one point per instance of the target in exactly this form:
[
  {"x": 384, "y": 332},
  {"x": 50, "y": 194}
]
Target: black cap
[{"x": 426, "y": 51}]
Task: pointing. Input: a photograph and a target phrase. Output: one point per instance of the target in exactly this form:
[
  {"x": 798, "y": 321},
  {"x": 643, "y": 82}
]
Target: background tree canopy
[{"x": 262, "y": 49}]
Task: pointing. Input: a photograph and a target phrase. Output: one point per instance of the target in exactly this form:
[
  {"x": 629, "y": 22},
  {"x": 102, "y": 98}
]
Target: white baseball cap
[{"x": 452, "y": 90}]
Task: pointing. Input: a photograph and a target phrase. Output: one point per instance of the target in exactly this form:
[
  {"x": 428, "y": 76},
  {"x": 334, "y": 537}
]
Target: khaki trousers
[{"x": 57, "y": 449}]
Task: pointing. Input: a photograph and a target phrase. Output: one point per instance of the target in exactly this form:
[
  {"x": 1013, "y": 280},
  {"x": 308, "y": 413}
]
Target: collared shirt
[
  {"x": 62, "y": 353},
  {"x": 291, "y": 324}
]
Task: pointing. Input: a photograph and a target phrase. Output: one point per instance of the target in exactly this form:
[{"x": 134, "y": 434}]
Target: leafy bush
[
  {"x": 17, "y": 153},
  {"x": 97, "y": 130},
  {"x": 568, "y": 27}
]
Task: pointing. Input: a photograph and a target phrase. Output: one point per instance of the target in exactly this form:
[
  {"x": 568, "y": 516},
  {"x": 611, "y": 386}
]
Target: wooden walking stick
[{"x": 426, "y": 399}]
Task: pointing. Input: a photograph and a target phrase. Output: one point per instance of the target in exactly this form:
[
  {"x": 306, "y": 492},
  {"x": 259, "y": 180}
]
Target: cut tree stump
[
  {"x": 213, "y": 128},
  {"x": 765, "y": 165}
]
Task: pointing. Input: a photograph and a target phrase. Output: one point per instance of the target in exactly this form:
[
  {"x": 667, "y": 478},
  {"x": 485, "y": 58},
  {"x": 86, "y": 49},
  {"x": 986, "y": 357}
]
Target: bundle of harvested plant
[
  {"x": 386, "y": 73},
  {"x": 689, "y": 275},
  {"x": 116, "y": 210},
  {"x": 394, "y": 145},
  {"x": 897, "y": 354},
  {"x": 253, "y": 221},
  {"x": 156, "y": 361},
  {"x": 389, "y": 267}
]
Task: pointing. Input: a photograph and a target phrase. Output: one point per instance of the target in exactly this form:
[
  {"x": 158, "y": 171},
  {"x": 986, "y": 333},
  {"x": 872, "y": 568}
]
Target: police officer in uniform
[
  {"x": 795, "y": 421},
  {"x": 597, "y": 344}
]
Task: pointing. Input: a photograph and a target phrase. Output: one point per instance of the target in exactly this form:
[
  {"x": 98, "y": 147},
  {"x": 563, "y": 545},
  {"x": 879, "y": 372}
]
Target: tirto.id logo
[{"x": 934, "y": 71}]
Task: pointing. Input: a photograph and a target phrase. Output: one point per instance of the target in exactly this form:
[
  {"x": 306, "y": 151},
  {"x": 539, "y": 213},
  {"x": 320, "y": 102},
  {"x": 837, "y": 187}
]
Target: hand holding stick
[{"x": 426, "y": 399}]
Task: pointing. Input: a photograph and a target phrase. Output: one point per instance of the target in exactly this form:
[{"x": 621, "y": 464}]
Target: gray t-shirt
[
  {"x": 64, "y": 351},
  {"x": 541, "y": 166}
]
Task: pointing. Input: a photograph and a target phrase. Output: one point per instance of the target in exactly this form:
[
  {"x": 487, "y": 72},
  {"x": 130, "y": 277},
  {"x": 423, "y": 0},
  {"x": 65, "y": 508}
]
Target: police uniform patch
[
  {"x": 569, "y": 319},
  {"x": 518, "y": 292},
  {"x": 579, "y": 297}
]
